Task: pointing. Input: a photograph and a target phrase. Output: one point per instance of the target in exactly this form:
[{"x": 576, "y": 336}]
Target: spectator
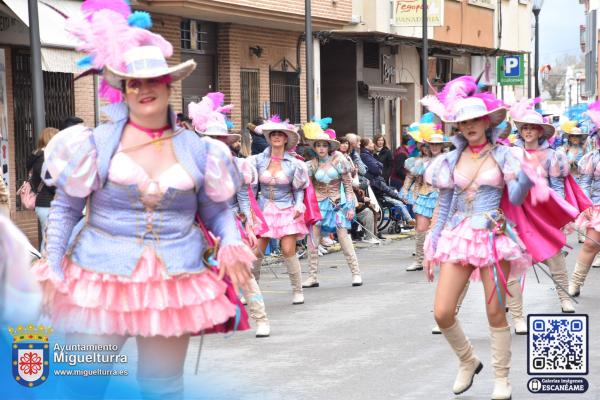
[
  {"x": 398, "y": 173},
  {"x": 354, "y": 151},
  {"x": 383, "y": 154},
  {"x": 70, "y": 121},
  {"x": 259, "y": 143},
  {"x": 45, "y": 194},
  {"x": 366, "y": 216},
  {"x": 375, "y": 177},
  {"x": 4, "y": 204}
]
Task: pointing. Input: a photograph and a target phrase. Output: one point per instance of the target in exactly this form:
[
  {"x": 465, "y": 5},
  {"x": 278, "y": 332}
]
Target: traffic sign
[{"x": 511, "y": 70}]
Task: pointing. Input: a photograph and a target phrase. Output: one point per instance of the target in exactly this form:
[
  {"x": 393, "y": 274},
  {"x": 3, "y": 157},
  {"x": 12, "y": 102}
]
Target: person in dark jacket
[
  {"x": 45, "y": 194},
  {"x": 397, "y": 172},
  {"x": 259, "y": 143},
  {"x": 375, "y": 177},
  {"x": 384, "y": 155}
]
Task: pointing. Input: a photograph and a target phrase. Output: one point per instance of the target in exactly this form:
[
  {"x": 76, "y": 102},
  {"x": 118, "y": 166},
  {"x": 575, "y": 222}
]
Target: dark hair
[
  {"x": 364, "y": 142},
  {"x": 343, "y": 140},
  {"x": 258, "y": 121},
  {"x": 376, "y": 138},
  {"x": 70, "y": 121}
]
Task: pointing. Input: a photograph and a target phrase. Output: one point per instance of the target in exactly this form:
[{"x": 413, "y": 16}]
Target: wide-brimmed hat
[
  {"x": 571, "y": 128},
  {"x": 208, "y": 117},
  {"x": 145, "y": 62},
  {"x": 472, "y": 108},
  {"x": 276, "y": 125},
  {"x": 436, "y": 138},
  {"x": 313, "y": 132},
  {"x": 333, "y": 144},
  {"x": 535, "y": 118}
]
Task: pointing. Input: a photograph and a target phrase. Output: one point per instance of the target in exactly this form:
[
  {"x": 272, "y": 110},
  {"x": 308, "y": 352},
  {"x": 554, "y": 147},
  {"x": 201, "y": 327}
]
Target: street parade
[{"x": 299, "y": 200}]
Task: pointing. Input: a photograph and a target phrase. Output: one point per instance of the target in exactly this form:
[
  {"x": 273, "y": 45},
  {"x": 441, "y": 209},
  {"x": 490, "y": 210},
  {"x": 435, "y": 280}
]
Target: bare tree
[{"x": 554, "y": 82}]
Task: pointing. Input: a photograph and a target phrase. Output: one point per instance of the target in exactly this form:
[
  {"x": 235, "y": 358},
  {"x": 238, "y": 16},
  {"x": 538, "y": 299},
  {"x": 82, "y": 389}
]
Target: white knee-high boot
[
  {"x": 469, "y": 365},
  {"x": 501, "y": 357},
  {"x": 350, "y": 254},
  {"x": 515, "y": 306},
  {"x": 294, "y": 271}
]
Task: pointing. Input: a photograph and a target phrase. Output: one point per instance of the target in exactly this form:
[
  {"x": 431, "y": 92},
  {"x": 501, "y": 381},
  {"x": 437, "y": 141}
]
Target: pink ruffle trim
[
  {"x": 148, "y": 303},
  {"x": 465, "y": 245},
  {"x": 589, "y": 219},
  {"x": 282, "y": 223},
  {"x": 42, "y": 272},
  {"x": 233, "y": 254}
]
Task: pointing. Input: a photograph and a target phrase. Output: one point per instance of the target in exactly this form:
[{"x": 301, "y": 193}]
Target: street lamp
[{"x": 537, "y": 6}]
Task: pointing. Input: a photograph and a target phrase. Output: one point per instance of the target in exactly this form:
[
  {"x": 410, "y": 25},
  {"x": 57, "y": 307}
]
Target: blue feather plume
[
  {"x": 230, "y": 124},
  {"x": 85, "y": 62},
  {"x": 140, "y": 19},
  {"x": 428, "y": 118}
]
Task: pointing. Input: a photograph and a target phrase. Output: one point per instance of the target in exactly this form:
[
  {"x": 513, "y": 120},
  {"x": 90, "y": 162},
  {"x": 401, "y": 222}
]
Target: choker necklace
[
  {"x": 276, "y": 158},
  {"x": 531, "y": 150},
  {"x": 152, "y": 133},
  {"x": 477, "y": 150}
]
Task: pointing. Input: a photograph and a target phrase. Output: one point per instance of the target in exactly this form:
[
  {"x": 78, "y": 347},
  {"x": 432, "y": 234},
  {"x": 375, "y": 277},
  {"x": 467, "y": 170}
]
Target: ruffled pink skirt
[
  {"x": 589, "y": 219},
  {"x": 147, "y": 303},
  {"x": 468, "y": 246},
  {"x": 281, "y": 222}
]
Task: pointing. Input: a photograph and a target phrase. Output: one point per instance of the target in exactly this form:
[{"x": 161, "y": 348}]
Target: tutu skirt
[
  {"x": 425, "y": 204},
  {"x": 281, "y": 222},
  {"x": 468, "y": 246},
  {"x": 589, "y": 219},
  {"x": 147, "y": 303},
  {"x": 332, "y": 218}
]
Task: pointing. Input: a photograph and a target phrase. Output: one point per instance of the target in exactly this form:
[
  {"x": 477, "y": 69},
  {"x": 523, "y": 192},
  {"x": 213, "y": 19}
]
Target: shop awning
[{"x": 382, "y": 91}]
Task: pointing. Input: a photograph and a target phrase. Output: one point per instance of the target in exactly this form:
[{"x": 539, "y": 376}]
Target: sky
[{"x": 559, "y": 29}]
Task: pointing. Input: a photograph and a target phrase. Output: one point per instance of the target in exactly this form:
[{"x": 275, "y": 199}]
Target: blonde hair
[{"x": 45, "y": 136}]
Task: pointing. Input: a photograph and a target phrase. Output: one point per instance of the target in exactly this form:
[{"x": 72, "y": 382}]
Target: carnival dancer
[
  {"x": 143, "y": 181},
  {"x": 534, "y": 134},
  {"x": 282, "y": 179},
  {"x": 471, "y": 238},
  {"x": 208, "y": 119},
  {"x": 432, "y": 140},
  {"x": 588, "y": 221},
  {"x": 331, "y": 175}
]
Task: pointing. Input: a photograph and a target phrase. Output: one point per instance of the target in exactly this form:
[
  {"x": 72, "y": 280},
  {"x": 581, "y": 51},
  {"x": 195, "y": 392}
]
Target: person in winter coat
[
  {"x": 398, "y": 172},
  {"x": 259, "y": 143},
  {"x": 384, "y": 155}
]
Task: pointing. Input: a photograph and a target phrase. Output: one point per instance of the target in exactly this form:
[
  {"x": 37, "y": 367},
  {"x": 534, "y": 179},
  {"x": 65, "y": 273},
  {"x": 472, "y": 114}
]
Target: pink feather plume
[
  {"x": 490, "y": 100},
  {"x": 109, "y": 93},
  {"x": 457, "y": 89},
  {"x": 119, "y": 6},
  {"x": 275, "y": 118},
  {"x": 434, "y": 105},
  {"x": 520, "y": 109},
  {"x": 208, "y": 110}
]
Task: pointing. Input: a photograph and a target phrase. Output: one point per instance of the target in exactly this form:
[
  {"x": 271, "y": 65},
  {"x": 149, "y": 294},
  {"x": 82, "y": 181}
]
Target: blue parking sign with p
[
  {"x": 510, "y": 70},
  {"x": 512, "y": 66}
]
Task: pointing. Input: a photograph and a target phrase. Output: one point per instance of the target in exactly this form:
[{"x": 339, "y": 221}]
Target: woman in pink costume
[
  {"x": 134, "y": 265},
  {"x": 282, "y": 179},
  {"x": 589, "y": 220},
  {"x": 471, "y": 238}
]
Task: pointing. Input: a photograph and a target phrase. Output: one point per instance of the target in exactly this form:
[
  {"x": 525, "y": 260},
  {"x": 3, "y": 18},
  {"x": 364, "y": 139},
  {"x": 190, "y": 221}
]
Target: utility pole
[
  {"x": 310, "y": 89},
  {"x": 37, "y": 78},
  {"x": 424, "y": 54}
]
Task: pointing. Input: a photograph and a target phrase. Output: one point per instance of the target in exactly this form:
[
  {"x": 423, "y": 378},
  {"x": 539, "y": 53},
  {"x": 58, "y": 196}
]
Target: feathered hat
[
  {"x": 208, "y": 117},
  {"x": 593, "y": 112},
  {"x": 523, "y": 113},
  {"x": 460, "y": 100},
  {"x": 319, "y": 131},
  {"x": 425, "y": 129},
  {"x": 119, "y": 45},
  {"x": 571, "y": 128},
  {"x": 275, "y": 124}
]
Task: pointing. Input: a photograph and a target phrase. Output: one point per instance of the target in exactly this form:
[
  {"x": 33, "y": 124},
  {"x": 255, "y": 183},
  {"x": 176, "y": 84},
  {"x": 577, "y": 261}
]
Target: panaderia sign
[{"x": 410, "y": 13}]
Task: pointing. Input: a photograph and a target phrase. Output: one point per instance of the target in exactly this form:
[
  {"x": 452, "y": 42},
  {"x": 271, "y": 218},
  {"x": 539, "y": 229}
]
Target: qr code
[{"x": 558, "y": 344}]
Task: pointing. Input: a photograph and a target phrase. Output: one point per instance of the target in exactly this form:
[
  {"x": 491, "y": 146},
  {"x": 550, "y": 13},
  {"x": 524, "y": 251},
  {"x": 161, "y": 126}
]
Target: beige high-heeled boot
[
  {"x": 579, "y": 274},
  {"x": 436, "y": 329},
  {"x": 515, "y": 306},
  {"x": 501, "y": 355},
  {"x": 313, "y": 268},
  {"x": 469, "y": 365},
  {"x": 350, "y": 254},
  {"x": 419, "y": 252},
  {"x": 558, "y": 269},
  {"x": 293, "y": 269},
  {"x": 256, "y": 305}
]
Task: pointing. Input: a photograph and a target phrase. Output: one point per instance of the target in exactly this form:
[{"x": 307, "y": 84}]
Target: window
[
  {"x": 285, "y": 95},
  {"x": 249, "y": 85},
  {"x": 186, "y": 42},
  {"x": 198, "y": 36},
  {"x": 370, "y": 55}
]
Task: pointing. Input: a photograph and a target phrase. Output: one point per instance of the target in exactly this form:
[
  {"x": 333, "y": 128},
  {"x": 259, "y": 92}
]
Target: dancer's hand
[
  {"x": 428, "y": 269},
  {"x": 239, "y": 273},
  {"x": 297, "y": 214},
  {"x": 252, "y": 240},
  {"x": 350, "y": 215}
]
